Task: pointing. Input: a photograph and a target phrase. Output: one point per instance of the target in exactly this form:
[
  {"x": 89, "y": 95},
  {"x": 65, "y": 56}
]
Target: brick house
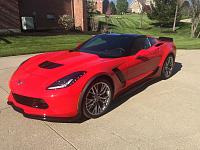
[
  {"x": 20, "y": 15},
  {"x": 100, "y": 5},
  {"x": 138, "y": 5}
]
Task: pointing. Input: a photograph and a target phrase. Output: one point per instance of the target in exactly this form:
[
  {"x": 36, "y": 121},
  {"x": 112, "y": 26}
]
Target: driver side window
[{"x": 139, "y": 44}]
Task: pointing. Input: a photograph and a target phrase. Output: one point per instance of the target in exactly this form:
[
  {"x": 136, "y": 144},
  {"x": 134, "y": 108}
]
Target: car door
[{"x": 143, "y": 60}]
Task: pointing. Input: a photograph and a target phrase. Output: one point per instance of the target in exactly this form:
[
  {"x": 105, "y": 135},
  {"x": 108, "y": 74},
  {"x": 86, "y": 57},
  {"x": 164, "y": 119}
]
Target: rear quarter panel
[{"x": 166, "y": 49}]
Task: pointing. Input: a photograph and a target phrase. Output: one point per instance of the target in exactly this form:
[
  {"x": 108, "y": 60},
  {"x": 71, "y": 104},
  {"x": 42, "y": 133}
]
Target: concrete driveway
[{"x": 159, "y": 115}]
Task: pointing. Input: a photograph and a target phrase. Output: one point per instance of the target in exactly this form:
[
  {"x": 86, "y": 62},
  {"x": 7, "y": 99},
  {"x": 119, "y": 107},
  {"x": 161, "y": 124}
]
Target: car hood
[
  {"x": 63, "y": 62},
  {"x": 49, "y": 67}
]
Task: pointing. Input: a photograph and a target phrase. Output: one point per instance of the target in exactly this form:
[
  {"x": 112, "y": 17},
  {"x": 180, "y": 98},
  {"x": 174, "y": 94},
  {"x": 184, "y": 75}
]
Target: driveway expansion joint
[
  {"x": 62, "y": 137},
  {"x": 4, "y": 108},
  {"x": 4, "y": 90}
]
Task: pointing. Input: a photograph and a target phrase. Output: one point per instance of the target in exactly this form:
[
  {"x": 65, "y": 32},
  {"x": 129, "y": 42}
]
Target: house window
[{"x": 51, "y": 17}]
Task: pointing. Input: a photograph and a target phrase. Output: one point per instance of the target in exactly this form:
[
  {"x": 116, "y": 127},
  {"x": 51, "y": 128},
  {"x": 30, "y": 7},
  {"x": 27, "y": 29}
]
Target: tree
[
  {"x": 91, "y": 8},
  {"x": 105, "y": 5},
  {"x": 195, "y": 18},
  {"x": 92, "y": 12},
  {"x": 163, "y": 11},
  {"x": 141, "y": 7},
  {"x": 179, "y": 5},
  {"x": 175, "y": 17},
  {"x": 122, "y": 6},
  {"x": 186, "y": 9},
  {"x": 113, "y": 8}
]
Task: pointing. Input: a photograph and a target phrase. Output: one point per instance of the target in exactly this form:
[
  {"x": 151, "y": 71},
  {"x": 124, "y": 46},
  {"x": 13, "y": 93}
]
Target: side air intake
[{"x": 120, "y": 76}]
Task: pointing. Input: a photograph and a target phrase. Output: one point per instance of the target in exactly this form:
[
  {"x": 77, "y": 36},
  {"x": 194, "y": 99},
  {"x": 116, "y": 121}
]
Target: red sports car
[{"x": 84, "y": 81}]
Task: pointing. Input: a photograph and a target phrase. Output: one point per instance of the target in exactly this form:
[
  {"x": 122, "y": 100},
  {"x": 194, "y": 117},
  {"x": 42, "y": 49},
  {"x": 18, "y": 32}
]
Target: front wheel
[
  {"x": 97, "y": 98},
  {"x": 168, "y": 67}
]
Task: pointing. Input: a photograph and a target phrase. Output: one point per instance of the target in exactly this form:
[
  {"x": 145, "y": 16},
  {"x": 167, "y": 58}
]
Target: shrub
[{"x": 67, "y": 22}]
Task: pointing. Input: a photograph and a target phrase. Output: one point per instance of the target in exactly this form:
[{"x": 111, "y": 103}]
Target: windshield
[{"x": 108, "y": 46}]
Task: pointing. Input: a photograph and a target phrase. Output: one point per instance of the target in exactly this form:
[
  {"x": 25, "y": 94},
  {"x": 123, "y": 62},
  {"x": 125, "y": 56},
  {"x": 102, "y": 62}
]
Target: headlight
[{"x": 66, "y": 81}]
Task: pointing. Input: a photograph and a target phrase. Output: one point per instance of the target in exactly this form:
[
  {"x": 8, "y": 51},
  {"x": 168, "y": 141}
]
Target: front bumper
[
  {"x": 44, "y": 118},
  {"x": 61, "y": 103}
]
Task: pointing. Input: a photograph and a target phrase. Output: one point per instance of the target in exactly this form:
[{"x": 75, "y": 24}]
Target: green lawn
[
  {"x": 17, "y": 45},
  {"x": 35, "y": 44}
]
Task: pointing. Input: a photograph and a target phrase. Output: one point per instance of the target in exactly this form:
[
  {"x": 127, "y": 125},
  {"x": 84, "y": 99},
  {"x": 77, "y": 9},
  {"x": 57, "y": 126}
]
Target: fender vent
[
  {"x": 120, "y": 76},
  {"x": 49, "y": 65}
]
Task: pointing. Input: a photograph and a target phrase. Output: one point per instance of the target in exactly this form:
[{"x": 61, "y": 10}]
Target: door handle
[{"x": 143, "y": 58}]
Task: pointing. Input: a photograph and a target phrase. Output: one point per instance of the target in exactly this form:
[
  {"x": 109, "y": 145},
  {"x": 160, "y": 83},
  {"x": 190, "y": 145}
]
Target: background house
[
  {"x": 99, "y": 4},
  {"x": 137, "y": 5},
  {"x": 17, "y": 15}
]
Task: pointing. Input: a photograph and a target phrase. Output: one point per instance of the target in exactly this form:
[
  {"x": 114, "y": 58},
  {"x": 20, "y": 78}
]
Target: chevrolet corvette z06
[{"x": 69, "y": 83}]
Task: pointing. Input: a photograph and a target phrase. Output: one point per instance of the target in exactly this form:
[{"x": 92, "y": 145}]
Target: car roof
[{"x": 125, "y": 35}]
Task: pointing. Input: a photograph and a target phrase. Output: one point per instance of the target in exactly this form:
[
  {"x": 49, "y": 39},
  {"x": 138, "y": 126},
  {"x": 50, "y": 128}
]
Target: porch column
[{"x": 80, "y": 14}]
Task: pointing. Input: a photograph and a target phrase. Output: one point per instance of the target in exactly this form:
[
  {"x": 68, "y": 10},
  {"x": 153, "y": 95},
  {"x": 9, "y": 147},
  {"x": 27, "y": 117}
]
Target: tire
[
  {"x": 97, "y": 98},
  {"x": 168, "y": 67}
]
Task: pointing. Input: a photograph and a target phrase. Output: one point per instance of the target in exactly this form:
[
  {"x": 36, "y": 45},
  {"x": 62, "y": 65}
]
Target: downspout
[
  {"x": 19, "y": 12},
  {"x": 72, "y": 8}
]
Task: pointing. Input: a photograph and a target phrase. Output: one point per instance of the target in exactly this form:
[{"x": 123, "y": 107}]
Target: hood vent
[{"x": 49, "y": 65}]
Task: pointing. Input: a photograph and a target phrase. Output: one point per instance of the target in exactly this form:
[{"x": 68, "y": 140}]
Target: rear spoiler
[{"x": 166, "y": 39}]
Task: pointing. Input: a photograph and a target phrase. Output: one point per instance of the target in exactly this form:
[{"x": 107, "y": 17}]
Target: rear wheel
[
  {"x": 97, "y": 98},
  {"x": 168, "y": 67}
]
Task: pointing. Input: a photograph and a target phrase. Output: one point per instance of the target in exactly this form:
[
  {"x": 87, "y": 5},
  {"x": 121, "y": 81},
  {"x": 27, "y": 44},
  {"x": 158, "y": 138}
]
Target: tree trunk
[
  {"x": 194, "y": 27},
  {"x": 175, "y": 17},
  {"x": 141, "y": 13},
  {"x": 198, "y": 35},
  {"x": 141, "y": 20}
]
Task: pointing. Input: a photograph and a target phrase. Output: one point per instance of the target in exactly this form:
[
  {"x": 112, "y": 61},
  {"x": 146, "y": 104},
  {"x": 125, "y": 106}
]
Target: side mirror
[{"x": 141, "y": 55}]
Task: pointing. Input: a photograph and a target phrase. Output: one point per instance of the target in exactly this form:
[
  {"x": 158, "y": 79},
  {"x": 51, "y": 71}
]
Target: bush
[{"x": 67, "y": 22}]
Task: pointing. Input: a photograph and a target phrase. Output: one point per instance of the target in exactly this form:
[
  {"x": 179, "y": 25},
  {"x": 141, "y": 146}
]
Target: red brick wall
[
  {"x": 12, "y": 10},
  {"x": 39, "y": 9},
  {"x": 9, "y": 14}
]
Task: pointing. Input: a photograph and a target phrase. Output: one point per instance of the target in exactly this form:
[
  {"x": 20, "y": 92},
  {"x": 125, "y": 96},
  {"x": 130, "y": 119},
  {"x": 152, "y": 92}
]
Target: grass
[{"x": 17, "y": 45}]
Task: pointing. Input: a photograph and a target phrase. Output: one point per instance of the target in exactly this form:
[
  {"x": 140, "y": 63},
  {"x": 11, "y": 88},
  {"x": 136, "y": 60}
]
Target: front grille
[{"x": 31, "y": 102}]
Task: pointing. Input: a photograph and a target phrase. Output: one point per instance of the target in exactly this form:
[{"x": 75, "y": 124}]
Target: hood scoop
[{"x": 49, "y": 65}]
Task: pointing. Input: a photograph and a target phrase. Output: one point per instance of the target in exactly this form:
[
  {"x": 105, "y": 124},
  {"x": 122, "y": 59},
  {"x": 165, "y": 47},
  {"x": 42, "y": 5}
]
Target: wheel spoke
[
  {"x": 106, "y": 97},
  {"x": 98, "y": 98},
  {"x": 96, "y": 88},
  {"x": 103, "y": 88},
  {"x": 89, "y": 106},
  {"x": 104, "y": 91}
]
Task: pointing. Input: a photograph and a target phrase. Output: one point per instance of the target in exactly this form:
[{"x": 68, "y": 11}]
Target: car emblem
[{"x": 19, "y": 82}]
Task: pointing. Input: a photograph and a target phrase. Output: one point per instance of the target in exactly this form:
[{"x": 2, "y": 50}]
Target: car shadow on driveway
[{"x": 132, "y": 91}]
